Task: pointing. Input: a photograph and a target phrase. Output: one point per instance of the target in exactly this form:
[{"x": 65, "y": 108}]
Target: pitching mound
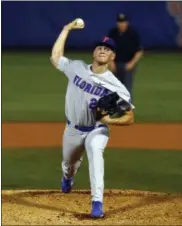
[{"x": 121, "y": 207}]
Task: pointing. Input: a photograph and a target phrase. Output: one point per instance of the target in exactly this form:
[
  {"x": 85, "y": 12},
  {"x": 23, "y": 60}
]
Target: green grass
[
  {"x": 32, "y": 90},
  {"x": 124, "y": 169}
]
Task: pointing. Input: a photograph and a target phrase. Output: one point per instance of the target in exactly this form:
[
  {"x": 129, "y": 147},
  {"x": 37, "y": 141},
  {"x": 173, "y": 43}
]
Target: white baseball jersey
[
  {"x": 82, "y": 92},
  {"x": 84, "y": 89}
]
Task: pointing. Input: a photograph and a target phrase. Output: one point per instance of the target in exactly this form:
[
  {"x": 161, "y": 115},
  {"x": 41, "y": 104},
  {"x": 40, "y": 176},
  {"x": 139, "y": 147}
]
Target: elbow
[
  {"x": 54, "y": 60},
  {"x": 55, "y": 57},
  {"x": 142, "y": 52}
]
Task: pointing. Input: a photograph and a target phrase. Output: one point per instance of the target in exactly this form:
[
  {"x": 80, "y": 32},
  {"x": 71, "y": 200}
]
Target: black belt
[{"x": 85, "y": 128}]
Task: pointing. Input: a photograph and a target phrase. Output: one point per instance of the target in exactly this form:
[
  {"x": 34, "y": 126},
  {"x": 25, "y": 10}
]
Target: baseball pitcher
[{"x": 95, "y": 98}]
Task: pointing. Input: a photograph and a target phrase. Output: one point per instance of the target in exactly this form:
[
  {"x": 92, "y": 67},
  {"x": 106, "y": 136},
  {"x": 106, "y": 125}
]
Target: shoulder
[
  {"x": 67, "y": 65},
  {"x": 114, "y": 81},
  {"x": 110, "y": 73},
  {"x": 111, "y": 77},
  {"x": 79, "y": 63},
  {"x": 81, "y": 68}
]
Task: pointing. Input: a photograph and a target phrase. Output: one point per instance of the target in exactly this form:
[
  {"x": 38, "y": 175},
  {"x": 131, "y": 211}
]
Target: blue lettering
[
  {"x": 98, "y": 91},
  {"x": 104, "y": 93},
  {"x": 75, "y": 79},
  {"x": 88, "y": 87},
  {"x": 82, "y": 85},
  {"x": 93, "y": 103},
  {"x": 79, "y": 79},
  {"x": 92, "y": 90}
]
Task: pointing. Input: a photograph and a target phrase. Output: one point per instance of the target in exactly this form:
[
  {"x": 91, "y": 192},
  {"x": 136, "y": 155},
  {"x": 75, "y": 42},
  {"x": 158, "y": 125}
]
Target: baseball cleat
[
  {"x": 97, "y": 211},
  {"x": 66, "y": 185}
]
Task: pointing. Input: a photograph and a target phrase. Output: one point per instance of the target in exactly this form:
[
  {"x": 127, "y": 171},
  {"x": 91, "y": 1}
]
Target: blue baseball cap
[{"x": 108, "y": 42}]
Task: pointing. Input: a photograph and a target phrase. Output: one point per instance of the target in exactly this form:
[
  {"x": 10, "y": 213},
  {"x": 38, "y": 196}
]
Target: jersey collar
[{"x": 95, "y": 74}]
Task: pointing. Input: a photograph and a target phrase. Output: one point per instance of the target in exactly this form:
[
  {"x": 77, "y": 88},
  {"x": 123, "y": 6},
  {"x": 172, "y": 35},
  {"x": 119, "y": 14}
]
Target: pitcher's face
[{"x": 103, "y": 55}]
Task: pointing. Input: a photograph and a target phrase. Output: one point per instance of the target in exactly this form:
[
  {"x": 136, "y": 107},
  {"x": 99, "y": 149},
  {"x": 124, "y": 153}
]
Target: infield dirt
[
  {"x": 121, "y": 207},
  {"x": 146, "y": 136}
]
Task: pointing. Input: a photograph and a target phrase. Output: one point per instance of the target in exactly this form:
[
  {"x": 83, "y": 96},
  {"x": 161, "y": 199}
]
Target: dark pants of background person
[{"x": 126, "y": 77}]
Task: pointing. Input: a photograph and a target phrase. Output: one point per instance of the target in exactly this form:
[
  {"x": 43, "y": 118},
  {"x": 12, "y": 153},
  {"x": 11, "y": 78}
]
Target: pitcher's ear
[
  {"x": 94, "y": 52},
  {"x": 113, "y": 56}
]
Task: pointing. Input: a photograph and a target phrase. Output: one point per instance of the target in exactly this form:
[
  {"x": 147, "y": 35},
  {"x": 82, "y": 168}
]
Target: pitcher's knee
[
  {"x": 96, "y": 152},
  {"x": 69, "y": 169}
]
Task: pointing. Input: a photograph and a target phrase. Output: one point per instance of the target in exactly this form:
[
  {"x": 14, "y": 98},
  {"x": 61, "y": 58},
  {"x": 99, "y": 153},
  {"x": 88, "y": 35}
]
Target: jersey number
[{"x": 93, "y": 103}]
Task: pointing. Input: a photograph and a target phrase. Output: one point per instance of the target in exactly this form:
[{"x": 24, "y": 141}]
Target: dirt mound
[{"x": 47, "y": 207}]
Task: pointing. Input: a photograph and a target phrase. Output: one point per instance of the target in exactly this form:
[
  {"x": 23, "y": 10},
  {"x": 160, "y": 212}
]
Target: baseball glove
[{"x": 111, "y": 105}]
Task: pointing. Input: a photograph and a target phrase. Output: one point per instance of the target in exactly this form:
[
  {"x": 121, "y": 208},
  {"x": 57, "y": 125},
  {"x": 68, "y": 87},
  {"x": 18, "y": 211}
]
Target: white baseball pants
[{"x": 94, "y": 142}]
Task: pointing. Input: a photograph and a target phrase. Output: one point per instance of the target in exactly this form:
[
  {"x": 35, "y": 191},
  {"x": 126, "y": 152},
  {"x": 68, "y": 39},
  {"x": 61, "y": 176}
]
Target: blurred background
[{"x": 34, "y": 91}]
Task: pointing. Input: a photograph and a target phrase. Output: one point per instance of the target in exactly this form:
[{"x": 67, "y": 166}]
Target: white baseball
[{"x": 80, "y": 22}]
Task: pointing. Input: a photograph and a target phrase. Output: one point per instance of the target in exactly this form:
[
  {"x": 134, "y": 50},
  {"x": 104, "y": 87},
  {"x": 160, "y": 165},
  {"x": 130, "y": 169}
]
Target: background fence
[{"x": 32, "y": 24}]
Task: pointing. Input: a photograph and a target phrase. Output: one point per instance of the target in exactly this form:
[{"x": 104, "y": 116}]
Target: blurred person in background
[{"x": 128, "y": 51}]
